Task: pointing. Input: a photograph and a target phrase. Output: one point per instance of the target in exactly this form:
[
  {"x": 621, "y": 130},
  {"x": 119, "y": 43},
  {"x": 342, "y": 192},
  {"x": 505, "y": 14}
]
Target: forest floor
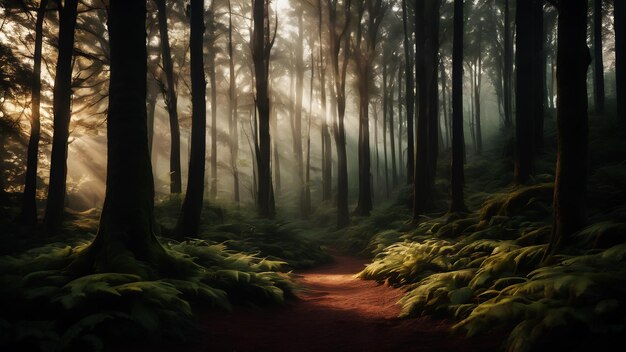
[{"x": 335, "y": 311}]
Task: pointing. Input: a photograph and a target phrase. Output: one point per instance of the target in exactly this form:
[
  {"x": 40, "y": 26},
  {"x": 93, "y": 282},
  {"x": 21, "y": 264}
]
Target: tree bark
[
  {"x": 539, "y": 74},
  {"x": 232, "y": 109},
  {"x": 620, "y": 58},
  {"x": 261, "y": 49},
  {"x": 457, "y": 173},
  {"x": 598, "y": 91},
  {"x": 189, "y": 220},
  {"x": 125, "y": 241},
  {"x": 171, "y": 100},
  {"x": 573, "y": 60},
  {"x": 327, "y": 157},
  {"x": 211, "y": 57},
  {"x": 297, "y": 123},
  {"x": 28, "y": 213},
  {"x": 62, "y": 96},
  {"x": 508, "y": 68},
  {"x": 409, "y": 97},
  {"x": 477, "y": 90}
]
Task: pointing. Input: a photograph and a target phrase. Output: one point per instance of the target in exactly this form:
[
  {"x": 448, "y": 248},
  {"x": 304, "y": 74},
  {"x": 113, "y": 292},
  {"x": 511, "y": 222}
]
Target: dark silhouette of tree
[
  {"x": 427, "y": 66},
  {"x": 339, "y": 35},
  {"x": 262, "y": 42},
  {"x": 28, "y": 213},
  {"x": 232, "y": 108},
  {"x": 598, "y": 74},
  {"x": 125, "y": 241},
  {"x": 508, "y": 68},
  {"x": 620, "y": 57},
  {"x": 409, "y": 94},
  {"x": 573, "y": 60},
  {"x": 457, "y": 177},
  {"x": 171, "y": 100},
  {"x": 62, "y": 114},
  {"x": 189, "y": 219}
]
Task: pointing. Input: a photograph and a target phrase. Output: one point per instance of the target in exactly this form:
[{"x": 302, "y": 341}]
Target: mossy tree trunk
[
  {"x": 62, "y": 96},
  {"x": 125, "y": 241},
  {"x": 573, "y": 60}
]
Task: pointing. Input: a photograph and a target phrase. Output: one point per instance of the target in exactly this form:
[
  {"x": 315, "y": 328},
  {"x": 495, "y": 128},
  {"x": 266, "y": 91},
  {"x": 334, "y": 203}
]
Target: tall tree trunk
[
  {"x": 275, "y": 144},
  {"x": 539, "y": 74},
  {"x": 62, "y": 96},
  {"x": 444, "y": 99},
  {"x": 307, "y": 173},
  {"x": 525, "y": 114},
  {"x": 573, "y": 60},
  {"x": 385, "y": 113},
  {"x": 477, "y": 86},
  {"x": 400, "y": 124},
  {"x": 377, "y": 183},
  {"x": 598, "y": 86},
  {"x": 232, "y": 109},
  {"x": 189, "y": 220},
  {"x": 126, "y": 234},
  {"x": 211, "y": 57},
  {"x": 620, "y": 58},
  {"x": 327, "y": 156},
  {"x": 457, "y": 174},
  {"x": 171, "y": 100},
  {"x": 337, "y": 38},
  {"x": 409, "y": 96},
  {"x": 432, "y": 65},
  {"x": 297, "y": 123},
  {"x": 28, "y": 213},
  {"x": 261, "y": 49},
  {"x": 508, "y": 68},
  {"x": 392, "y": 136}
]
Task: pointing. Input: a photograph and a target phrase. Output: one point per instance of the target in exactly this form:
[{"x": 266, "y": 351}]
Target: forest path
[{"x": 335, "y": 312}]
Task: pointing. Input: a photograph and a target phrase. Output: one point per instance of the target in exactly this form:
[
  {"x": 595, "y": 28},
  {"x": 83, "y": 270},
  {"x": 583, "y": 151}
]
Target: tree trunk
[
  {"x": 307, "y": 173},
  {"x": 171, "y": 100},
  {"x": 232, "y": 109},
  {"x": 409, "y": 97},
  {"x": 28, "y": 213},
  {"x": 189, "y": 220},
  {"x": 598, "y": 91},
  {"x": 620, "y": 58},
  {"x": 385, "y": 113},
  {"x": 573, "y": 60},
  {"x": 508, "y": 68},
  {"x": 457, "y": 173},
  {"x": 444, "y": 98},
  {"x": 392, "y": 139},
  {"x": 525, "y": 114},
  {"x": 338, "y": 37},
  {"x": 539, "y": 74},
  {"x": 477, "y": 86},
  {"x": 327, "y": 157},
  {"x": 432, "y": 65},
  {"x": 400, "y": 124},
  {"x": 261, "y": 49},
  {"x": 125, "y": 234},
  {"x": 297, "y": 123},
  {"x": 62, "y": 96},
  {"x": 211, "y": 57}
]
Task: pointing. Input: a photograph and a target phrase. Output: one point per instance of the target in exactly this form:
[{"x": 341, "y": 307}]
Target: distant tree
[
  {"x": 262, "y": 42},
  {"x": 327, "y": 153},
  {"x": 62, "y": 106},
  {"x": 125, "y": 241},
  {"x": 457, "y": 177},
  {"x": 598, "y": 71},
  {"x": 171, "y": 99},
  {"x": 297, "y": 117},
  {"x": 211, "y": 44},
  {"x": 189, "y": 219},
  {"x": 572, "y": 124},
  {"x": 28, "y": 213},
  {"x": 620, "y": 57},
  {"x": 508, "y": 67},
  {"x": 232, "y": 108}
]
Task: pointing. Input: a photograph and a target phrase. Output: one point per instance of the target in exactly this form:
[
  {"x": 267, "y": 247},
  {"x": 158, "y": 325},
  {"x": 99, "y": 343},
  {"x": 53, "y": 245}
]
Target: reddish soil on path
[{"x": 335, "y": 312}]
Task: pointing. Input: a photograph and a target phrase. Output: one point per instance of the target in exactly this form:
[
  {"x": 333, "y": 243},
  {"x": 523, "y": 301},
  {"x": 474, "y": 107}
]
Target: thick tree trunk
[
  {"x": 620, "y": 58},
  {"x": 261, "y": 48},
  {"x": 409, "y": 96},
  {"x": 525, "y": 113},
  {"x": 598, "y": 86},
  {"x": 171, "y": 100},
  {"x": 457, "y": 174},
  {"x": 572, "y": 124},
  {"x": 189, "y": 220},
  {"x": 211, "y": 57},
  {"x": 62, "y": 96},
  {"x": 125, "y": 235},
  {"x": 28, "y": 213}
]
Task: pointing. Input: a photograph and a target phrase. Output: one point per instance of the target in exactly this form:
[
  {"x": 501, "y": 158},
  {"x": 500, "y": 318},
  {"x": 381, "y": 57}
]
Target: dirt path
[{"x": 337, "y": 312}]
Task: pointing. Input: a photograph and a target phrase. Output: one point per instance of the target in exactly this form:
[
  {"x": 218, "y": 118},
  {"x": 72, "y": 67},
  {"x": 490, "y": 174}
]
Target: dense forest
[{"x": 342, "y": 175}]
